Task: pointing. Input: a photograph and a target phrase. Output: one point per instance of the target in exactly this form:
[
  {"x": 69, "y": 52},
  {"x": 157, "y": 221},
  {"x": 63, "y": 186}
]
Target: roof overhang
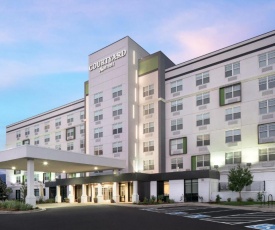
[{"x": 57, "y": 160}]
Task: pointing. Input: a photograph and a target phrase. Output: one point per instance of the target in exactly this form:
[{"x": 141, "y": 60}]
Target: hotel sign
[{"x": 107, "y": 62}]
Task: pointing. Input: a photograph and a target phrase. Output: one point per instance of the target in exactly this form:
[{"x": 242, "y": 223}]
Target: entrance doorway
[
  {"x": 107, "y": 193},
  {"x": 121, "y": 192},
  {"x": 63, "y": 192},
  {"x": 17, "y": 194},
  {"x": 191, "y": 190}
]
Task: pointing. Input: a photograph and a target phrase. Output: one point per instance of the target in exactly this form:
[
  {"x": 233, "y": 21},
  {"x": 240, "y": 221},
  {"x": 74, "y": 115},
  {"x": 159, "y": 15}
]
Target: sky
[{"x": 44, "y": 45}]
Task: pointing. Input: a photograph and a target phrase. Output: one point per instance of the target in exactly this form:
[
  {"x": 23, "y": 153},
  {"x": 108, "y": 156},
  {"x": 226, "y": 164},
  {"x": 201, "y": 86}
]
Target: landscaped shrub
[
  {"x": 145, "y": 200},
  {"x": 228, "y": 199},
  {"x": 160, "y": 198},
  {"x": 239, "y": 199},
  {"x": 260, "y": 196},
  {"x": 171, "y": 201},
  {"x": 218, "y": 198},
  {"x": 15, "y": 205},
  {"x": 250, "y": 199},
  {"x": 153, "y": 198}
]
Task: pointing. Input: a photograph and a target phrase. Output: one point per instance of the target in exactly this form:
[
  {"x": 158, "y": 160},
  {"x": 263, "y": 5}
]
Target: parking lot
[
  {"x": 241, "y": 219},
  {"x": 133, "y": 217}
]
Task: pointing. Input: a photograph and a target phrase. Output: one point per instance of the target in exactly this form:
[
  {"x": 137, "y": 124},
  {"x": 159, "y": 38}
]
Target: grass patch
[{"x": 14, "y": 205}]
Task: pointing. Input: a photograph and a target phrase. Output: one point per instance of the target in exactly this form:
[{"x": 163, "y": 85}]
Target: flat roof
[{"x": 57, "y": 160}]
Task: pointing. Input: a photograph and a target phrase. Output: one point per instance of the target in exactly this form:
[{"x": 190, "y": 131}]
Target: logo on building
[{"x": 107, "y": 62}]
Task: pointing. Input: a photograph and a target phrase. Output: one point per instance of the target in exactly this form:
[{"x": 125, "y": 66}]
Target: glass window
[
  {"x": 266, "y": 59},
  {"x": 98, "y": 150},
  {"x": 82, "y": 115},
  {"x": 70, "y": 118},
  {"x": 98, "y": 132},
  {"x": 230, "y": 92},
  {"x": 176, "y": 105},
  {"x": 117, "y": 91},
  {"x": 58, "y": 122},
  {"x": 117, "y": 110},
  {"x": 98, "y": 115},
  {"x": 70, "y": 133},
  {"x": 82, "y": 144},
  {"x": 232, "y": 69},
  {"x": 148, "y": 127},
  {"x": 117, "y": 128},
  {"x": 266, "y": 131},
  {"x": 148, "y": 165},
  {"x": 233, "y": 158},
  {"x": 178, "y": 146},
  {"x": 148, "y": 90},
  {"x": 117, "y": 147},
  {"x": 176, "y": 86},
  {"x": 148, "y": 109},
  {"x": 267, "y": 82},
  {"x": 233, "y": 135},
  {"x": 203, "y": 140},
  {"x": 177, "y": 163},
  {"x": 203, "y": 119},
  {"x": 57, "y": 136},
  {"x": 203, "y": 160},
  {"x": 148, "y": 146},
  {"x": 98, "y": 97},
  {"x": 267, "y": 154},
  {"x": 70, "y": 146},
  {"x": 176, "y": 124},
  {"x": 233, "y": 113},
  {"x": 82, "y": 129},
  {"x": 47, "y": 138},
  {"x": 203, "y": 99},
  {"x": 267, "y": 106},
  {"x": 36, "y": 129},
  {"x": 202, "y": 78}
]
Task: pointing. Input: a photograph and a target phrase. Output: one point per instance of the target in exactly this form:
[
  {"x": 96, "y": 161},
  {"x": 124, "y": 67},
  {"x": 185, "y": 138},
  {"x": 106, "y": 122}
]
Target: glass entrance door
[
  {"x": 191, "y": 190},
  {"x": 107, "y": 193},
  {"x": 121, "y": 192}
]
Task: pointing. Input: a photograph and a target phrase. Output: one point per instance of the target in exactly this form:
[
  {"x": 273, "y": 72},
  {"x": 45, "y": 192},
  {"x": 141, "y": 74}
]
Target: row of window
[
  {"x": 230, "y": 70},
  {"x": 70, "y": 119},
  {"x": 266, "y": 134},
  {"x": 267, "y": 154}
]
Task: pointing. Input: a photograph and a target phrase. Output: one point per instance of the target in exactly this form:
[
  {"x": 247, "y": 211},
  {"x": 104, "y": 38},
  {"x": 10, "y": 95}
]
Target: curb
[{"x": 22, "y": 212}]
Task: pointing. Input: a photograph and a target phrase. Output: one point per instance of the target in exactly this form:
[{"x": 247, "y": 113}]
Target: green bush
[
  {"x": 218, "y": 198},
  {"x": 260, "y": 196},
  {"x": 153, "y": 198},
  {"x": 160, "y": 198},
  {"x": 15, "y": 205},
  {"x": 228, "y": 199},
  {"x": 239, "y": 199},
  {"x": 145, "y": 200},
  {"x": 250, "y": 199},
  {"x": 171, "y": 201}
]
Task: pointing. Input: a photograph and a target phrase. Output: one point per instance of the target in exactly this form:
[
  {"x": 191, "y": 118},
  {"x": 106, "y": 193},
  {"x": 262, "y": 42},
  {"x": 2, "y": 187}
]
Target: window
[
  {"x": 36, "y": 141},
  {"x": 177, "y": 163},
  {"x": 117, "y": 110},
  {"x": 70, "y": 146},
  {"x": 36, "y": 192},
  {"x": 117, "y": 91},
  {"x": 176, "y": 105},
  {"x": 16, "y": 172},
  {"x": 178, "y": 146},
  {"x": 203, "y": 160},
  {"x": 148, "y": 165},
  {"x": 70, "y": 118},
  {"x": 148, "y": 146},
  {"x": 18, "y": 179},
  {"x": 57, "y": 136},
  {"x": 18, "y": 134},
  {"x": 27, "y": 131},
  {"x": 82, "y": 115},
  {"x": 58, "y": 147},
  {"x": 47, "y": 126},
  {"x": 58, "y": 122},
  {"x": 267, "y": 154},
  {"x": 266, "y": 131},
  {"x": 203, "y": 119},
  {"x": 176, "y": 124},
  {"x": 233, "y": 113},
  {"x": 267, "y": 82},
  {"x": 117, "y": 147},
  {"x": 82, "y": 144},
  {"x": 203, "y": 140},
  {"x": 176, "y": 86},
  {"x": 230, "y": 94},
  {"x": 148, "y": 127},
  {"x": 148, "y": 90},
  {"x": 233, "y": 135},
  {"x": 98, "y": 132},
  {"x": 203, "y": 99},
  {"x": 98, "y": 115},
  {"x": 82, "y": 129},
  {"x": 70, "y": 133},
  {"x": 47, "y": 138},
  {"x": 98, "y": 97},
  {"x": 36, "y": 129},
  {"x": 202, "y": 78},
  {"x": 266, "y": 59},
  {"x": 26, "y": 142},
  {"x": 98, "y": 150},
  {"x": 233, "y": 158},
  {"x": 267, "y": 106},
  {"x": 117, "y": 128},
  {"x": 36, "y": 177},
  {"x": 148, "y": 109},
  {"x": 232, "y": 69}
]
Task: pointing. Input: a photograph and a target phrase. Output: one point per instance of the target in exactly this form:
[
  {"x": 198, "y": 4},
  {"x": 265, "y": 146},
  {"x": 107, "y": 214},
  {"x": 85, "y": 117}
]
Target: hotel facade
[{"x": 179, "y": 129}]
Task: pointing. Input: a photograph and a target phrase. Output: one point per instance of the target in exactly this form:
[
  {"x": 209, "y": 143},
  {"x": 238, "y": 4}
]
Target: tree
[
  {"x": 3, "y": 188},
  {"x": 238, "y": 178}
]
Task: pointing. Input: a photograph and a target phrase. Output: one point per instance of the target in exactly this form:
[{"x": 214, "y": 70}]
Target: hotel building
[{"x": 179, "y": 129}]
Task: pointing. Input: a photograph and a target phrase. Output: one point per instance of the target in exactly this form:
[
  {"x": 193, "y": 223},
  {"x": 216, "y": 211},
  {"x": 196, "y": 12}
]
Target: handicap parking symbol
[
  {"x": 262, "y": 226},
  {"x": 198, "y": 216}
]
